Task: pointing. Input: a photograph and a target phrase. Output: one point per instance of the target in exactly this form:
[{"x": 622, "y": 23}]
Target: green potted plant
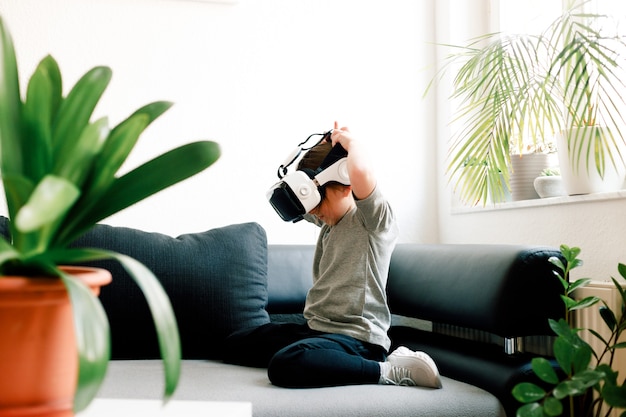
[
  {"x": 516, "y": 91},
  {"x": 59, "y": 171},
  {"x": 588, "y": 385}
]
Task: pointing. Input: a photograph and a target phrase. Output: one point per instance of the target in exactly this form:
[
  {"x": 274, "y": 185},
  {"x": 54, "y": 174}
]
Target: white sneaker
[{"x": 411, "y": 368}]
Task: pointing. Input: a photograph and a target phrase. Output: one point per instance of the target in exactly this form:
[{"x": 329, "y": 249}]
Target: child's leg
[
  {"x": 326, "y": 360},
  {"x": 255, "y": 347}
]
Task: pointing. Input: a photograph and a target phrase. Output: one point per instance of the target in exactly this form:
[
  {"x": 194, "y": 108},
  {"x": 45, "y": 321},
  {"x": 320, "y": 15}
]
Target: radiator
[
  {"x": 539, "y": 345},
  {"x": 589, "y": 318}
]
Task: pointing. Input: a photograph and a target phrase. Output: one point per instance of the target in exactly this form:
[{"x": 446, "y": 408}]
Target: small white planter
[{"x": 549, "y": 186}]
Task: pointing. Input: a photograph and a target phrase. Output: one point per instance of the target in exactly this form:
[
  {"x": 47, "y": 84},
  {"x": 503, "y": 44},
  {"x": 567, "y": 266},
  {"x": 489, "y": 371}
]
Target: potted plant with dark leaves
[
  {"x": 59, "y": 172},
  {"x": 588, "y": 386}
]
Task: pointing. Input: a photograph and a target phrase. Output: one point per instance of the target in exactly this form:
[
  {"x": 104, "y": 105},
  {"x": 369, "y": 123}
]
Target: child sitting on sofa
[{"x": 345, "y": 338}]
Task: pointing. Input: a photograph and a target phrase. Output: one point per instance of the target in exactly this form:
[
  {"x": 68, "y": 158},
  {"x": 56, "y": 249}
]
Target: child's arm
[{"x": 362, "y": 179}]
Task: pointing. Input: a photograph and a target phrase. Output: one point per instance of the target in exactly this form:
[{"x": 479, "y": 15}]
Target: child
[{"x": 344, "y": 341}]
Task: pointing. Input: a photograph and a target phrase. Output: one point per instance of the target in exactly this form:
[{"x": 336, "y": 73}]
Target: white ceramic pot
[
  {"x": 524, "y": 170},
  {"x": 583, "y": 177},
  {"x": 549, "y": 186}
]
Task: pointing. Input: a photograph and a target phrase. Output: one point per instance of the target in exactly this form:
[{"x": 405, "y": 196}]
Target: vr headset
[{"x": 301, "y": 191}]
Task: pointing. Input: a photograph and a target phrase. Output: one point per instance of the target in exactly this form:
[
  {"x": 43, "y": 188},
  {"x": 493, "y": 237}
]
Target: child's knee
[{"x": 282, "y": 370}]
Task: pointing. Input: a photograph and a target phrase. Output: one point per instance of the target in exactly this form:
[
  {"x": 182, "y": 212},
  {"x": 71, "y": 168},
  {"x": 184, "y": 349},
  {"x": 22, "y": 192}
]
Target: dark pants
[{"x": 298, "y": 357}]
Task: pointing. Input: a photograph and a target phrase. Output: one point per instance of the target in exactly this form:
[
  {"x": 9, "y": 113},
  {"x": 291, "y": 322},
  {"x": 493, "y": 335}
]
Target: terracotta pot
[{"x": 38, "y": 355}]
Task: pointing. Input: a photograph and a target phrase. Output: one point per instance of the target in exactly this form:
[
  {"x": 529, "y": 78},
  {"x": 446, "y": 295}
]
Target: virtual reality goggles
[{"x": 301, "y": 191}]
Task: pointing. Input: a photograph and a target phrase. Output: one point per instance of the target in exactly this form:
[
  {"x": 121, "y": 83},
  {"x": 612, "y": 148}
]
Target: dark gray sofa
[{"x": 466, "y": 305}]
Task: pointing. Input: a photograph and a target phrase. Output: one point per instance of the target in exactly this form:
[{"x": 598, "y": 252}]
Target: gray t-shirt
[{"x": 350, "y": 271}]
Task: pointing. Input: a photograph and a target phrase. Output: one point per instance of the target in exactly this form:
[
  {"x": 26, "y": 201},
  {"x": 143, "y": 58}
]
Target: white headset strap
[{"x": 336, "y": 172}]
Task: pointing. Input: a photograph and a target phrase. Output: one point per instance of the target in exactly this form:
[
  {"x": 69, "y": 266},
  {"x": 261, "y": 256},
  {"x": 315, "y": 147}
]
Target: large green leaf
[
  {"x": 75, "y": 112},
  {"x": 122, "y": 140},
  {"x": 92, "y": 339},
  {"x": 530, "y": 410},
  {"x": 164, "y": 319},
  {"x": 43, "y": 97},
  {"x": 571, "y": 352},
  {"x": 556, "y": 261},
  {"x": 7, "y": 253},
  {"x": 146, "y": 180},
  {"x": 578, "y": 284},
  {"x": 36, "y": 133},
  {"x": 51, "y": 68},
  {"x": 18, "y": 190},
  {"x": 579, "y": 384},
  {"x": 78, "y": 165},
  {"x": 615, "y": 395},
  {"x": 50, "y": 200},
  {"x": 544, "y": 370},
  {"x": 527, "y": 392},
  {"x": 10, "y": 105},
  {"x": 552, "y": 407},
  {"x": 161, "y": 172},
  {"x": 572, "y": 355},
  {"x": 609, "y": 317},
  {"x": 153, "y": 110},
  {"x": 618, "y": 286},
  {"x": 585, "y": 303},
  {"x": 561, "y": 328}
]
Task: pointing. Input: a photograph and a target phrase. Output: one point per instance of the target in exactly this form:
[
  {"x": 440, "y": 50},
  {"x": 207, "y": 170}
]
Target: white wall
[{"x": 258, "y": 76}]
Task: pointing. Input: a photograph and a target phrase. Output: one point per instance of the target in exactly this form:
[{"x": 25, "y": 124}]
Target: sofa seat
[{"x": 207, "y": 380}]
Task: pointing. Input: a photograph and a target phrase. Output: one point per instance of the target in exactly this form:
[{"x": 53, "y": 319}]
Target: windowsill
[{"x": 542, "y": 202}]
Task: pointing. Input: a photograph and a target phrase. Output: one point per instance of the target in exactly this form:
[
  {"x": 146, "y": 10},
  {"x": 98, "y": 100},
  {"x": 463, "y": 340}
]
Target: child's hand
[
  {"x": 362, "y": 180},
  {"x": 342, "y": 136}
]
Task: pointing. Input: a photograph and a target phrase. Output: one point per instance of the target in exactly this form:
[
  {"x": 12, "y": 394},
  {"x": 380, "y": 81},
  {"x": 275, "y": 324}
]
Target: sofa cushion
[
  {"x": 216, "y": 381},
  {"x": 216, "y": 281},
  {"x": 480, "y": 364}
]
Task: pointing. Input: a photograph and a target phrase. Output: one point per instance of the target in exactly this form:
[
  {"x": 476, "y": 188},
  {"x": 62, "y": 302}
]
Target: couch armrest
[{"x": 507, "y": 290}]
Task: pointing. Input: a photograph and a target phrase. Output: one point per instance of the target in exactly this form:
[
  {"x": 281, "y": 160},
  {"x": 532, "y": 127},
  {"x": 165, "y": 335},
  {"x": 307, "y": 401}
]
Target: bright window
[{"x": 531, "y": 16}]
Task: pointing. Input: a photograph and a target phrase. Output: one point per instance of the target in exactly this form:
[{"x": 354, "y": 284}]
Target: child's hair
[{"x": 314, "y": 158}]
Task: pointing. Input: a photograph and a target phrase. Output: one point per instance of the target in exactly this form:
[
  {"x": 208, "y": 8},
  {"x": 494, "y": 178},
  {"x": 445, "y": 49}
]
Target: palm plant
[
  {"x": 519, "y": 90},
  {"x": 59, "y": 175}
]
